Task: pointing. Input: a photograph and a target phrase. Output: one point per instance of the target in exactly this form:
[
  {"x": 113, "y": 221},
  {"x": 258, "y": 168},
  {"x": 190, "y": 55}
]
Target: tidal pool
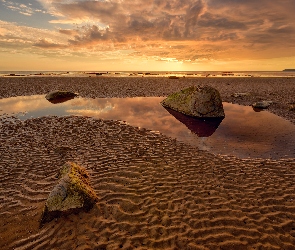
[{"x": 243, "y": 132}]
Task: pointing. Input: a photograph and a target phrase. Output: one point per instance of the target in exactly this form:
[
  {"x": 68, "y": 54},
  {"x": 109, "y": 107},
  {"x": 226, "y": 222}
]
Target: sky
[{"x": 150, "y": 35}]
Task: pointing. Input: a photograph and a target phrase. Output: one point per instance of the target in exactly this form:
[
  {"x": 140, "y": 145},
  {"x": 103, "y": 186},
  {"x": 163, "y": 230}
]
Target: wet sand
[
  {"x": 280, "y": 90},
  {"x": 154, "y": 192}
]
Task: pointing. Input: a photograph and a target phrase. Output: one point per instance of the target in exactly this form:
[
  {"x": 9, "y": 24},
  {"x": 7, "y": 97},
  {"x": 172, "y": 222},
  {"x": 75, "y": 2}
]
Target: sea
[{"x": 171, "y": 74}]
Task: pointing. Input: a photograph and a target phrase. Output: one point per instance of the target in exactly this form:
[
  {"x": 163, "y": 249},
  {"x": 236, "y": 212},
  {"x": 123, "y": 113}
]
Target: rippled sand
[{"x": 154, "y": 192}]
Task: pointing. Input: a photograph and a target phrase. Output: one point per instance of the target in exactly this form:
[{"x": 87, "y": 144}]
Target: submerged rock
[
  {"x": 58, "y": 96},
  {"x": 72, "y": 193},
  {"x": 196, "y": 101}
]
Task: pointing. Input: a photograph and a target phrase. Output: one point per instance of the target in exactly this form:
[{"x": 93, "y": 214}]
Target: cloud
[
  {"x": 21, "y": 8},
  {"x": 45, "y": 44},
  {"x": 187, "y": 30},
  {"x": 219, "y": 22},
  {"x": 91, "y": 35},
  {"x": 193, "y": 20},
  {"x": 68, "y": 32},
  {"x": 22, "y": 38},
  {"x": 169, "y": 20}
]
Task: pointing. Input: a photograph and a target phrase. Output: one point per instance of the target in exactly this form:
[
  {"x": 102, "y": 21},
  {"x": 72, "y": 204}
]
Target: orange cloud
[
  {"x": 45, "y": 44},
  {"x": 191, "y": 31},
  {"x": 206, "y": 28}
]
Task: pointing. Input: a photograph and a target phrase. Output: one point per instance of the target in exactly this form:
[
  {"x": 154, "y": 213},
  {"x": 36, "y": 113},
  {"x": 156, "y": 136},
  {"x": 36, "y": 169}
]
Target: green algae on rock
[
  {"x": 196, "y": 101},
  {"x": 72, "y": 193},
  {"x": 262, "y": 104}
]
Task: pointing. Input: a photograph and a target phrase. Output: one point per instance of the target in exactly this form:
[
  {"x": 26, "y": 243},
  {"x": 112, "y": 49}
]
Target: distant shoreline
[{"x": 162, "y": 74}]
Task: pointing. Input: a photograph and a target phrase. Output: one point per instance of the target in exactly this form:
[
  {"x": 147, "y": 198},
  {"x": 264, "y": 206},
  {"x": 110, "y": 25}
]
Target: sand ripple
[{"x": 154, "y": 193}]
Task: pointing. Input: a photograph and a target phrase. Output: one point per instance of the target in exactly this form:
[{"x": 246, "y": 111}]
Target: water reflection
[
  {"x": 257, "y": 110},
  {"x": 203, "y": 127},
  {"x": 60, "y": 100},
  {"x": 242, "y": 132}
]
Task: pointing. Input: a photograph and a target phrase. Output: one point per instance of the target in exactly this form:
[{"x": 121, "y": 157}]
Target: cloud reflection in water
[{"x": 243, "y": 132}]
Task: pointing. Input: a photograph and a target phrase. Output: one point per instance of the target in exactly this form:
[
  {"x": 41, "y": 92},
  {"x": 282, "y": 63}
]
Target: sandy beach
[{"x": 154, "y": 192}]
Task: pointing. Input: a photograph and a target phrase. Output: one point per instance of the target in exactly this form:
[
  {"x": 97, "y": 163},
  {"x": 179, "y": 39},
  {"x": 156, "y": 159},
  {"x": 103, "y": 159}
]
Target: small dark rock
[
  {"x": 262, "y": 104},
  {"x": 58, "y": 96}
]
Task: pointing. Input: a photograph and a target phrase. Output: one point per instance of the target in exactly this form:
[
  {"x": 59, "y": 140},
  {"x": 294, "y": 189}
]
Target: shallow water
[{"x": 243, "y": 132}]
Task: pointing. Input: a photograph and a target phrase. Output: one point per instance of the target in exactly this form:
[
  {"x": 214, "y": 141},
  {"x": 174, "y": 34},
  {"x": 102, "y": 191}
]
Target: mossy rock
[
  {"x": 262, "y": 104},
  {"x": 196, "y": 101},
  {"x": 72, "y": 193}
]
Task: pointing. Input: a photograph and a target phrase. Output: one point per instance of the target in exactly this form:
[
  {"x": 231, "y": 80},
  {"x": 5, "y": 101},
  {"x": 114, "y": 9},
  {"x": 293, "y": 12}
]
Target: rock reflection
[
  {"x": 60, "y": 100},
  {"x": 257, "y": 110},
  {"x": 203, "y": 127},
  {"x": 243, "y": 132}
]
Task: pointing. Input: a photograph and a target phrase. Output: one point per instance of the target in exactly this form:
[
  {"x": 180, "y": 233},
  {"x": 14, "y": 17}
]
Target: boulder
[
  {"x": 71, "y": 194},
  {"x": 196, "y": 101},
  {"x": 58, "y": 96},
  {"x": 262, "y": 104}
]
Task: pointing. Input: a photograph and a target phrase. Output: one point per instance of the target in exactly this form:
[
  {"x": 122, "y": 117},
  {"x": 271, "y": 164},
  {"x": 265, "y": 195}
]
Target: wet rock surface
[
  {"x": 196, "y": 101},
  {"x": 262, "y": 104},
  {"x": 72, "y": 193},
  {"x": 58, "y": 96}
]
